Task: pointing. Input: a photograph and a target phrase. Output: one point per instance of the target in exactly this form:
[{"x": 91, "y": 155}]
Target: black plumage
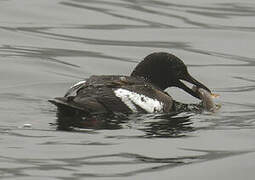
[{"x": 150, "y": 78}]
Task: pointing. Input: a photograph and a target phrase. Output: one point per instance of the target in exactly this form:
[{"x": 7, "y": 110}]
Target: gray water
[{"x": 47, "y": 45}]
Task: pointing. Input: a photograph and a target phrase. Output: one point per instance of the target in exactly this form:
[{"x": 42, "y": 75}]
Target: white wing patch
[
  {"x": 131, "y": 99},
  {"x": 77, "y": 84},
  {"x": 73, "y": 89}
]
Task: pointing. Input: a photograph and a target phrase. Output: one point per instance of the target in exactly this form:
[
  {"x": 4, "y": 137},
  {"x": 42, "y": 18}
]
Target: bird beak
[{"x": 193, "y": 81}]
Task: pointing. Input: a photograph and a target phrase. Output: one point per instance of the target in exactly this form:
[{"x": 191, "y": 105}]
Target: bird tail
[{"x": 63, "y": 103}]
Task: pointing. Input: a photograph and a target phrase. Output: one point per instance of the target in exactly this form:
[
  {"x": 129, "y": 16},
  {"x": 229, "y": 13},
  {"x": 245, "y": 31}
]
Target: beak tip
[{"x": 196, "y": 86}]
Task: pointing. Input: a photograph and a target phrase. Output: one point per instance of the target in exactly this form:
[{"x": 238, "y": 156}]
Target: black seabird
[{"x": 141, "y": 92}]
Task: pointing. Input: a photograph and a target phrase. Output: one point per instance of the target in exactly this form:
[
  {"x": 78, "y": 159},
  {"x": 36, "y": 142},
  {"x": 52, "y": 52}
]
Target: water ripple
[
  {"x": 138, "y": 161},
  {"x": 43, "y": 53}
]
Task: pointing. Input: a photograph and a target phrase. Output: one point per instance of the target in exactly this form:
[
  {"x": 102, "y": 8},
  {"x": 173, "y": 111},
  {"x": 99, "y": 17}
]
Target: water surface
[{"x": 47, "y": 45}]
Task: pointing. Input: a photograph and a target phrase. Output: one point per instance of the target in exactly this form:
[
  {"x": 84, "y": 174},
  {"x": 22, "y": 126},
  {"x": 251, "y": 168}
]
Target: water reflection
[
  {"x": 168, "y": 125},
  {"x": 153, "y": 125}
]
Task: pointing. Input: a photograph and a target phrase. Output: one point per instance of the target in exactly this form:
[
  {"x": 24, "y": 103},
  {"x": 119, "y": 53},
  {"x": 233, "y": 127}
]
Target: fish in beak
[{"x": 187, "y": 77}]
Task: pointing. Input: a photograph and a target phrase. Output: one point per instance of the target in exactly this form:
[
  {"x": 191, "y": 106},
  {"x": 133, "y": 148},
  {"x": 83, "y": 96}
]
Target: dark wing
[{"x": 95, "y": 95}]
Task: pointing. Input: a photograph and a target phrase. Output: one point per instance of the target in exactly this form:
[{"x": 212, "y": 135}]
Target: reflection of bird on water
[{"x": 153, "y": 125}]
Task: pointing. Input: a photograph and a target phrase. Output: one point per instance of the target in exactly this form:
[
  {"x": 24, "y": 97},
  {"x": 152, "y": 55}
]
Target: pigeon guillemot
[{"x": 143, "y": 91}]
